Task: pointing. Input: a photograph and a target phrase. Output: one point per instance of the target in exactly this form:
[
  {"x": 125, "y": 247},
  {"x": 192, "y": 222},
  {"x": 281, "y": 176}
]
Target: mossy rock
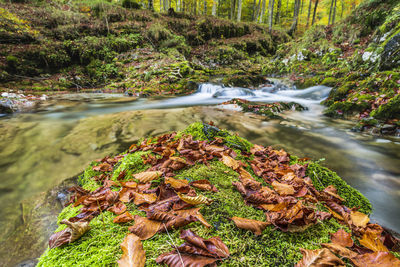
[
  {"x": 390, "y": 110},
  {"x": 329, "y": 81},
  {"x": 101, "y": 245}
]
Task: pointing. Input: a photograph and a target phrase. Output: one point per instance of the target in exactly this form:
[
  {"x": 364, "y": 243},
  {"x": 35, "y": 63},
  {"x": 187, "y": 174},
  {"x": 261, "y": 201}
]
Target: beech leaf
[
  {"x": 341, "y": 237},
  {"x": 376, "y": 259},
  {"x": 74, "y": 231},
  {"x": 204, "y": 185},
  {"x": 283, "y": 189},
  {"x": 230, "y": 162},
  {"x": 123, "y": 218},
  {"x": 200, "y": 199},
  {"x": 370, "y": 239},
  {"x": 319, "y": 258},
  {"x": 194, "y": 212},
  {"x": 144, "y": 228},
  {"x": 133, "y": 253},
  {"x": 147, "y": 176},
  {"x": 248, "y": 224},
  {"x": 359, "y": 219}
]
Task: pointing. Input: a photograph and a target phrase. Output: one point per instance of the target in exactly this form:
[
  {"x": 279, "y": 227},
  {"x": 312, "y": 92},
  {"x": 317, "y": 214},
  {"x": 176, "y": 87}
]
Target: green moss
[
  {"x": 132, "y": 163},
  {"x": 86, "y": 178},
  {"x": 390, "y": 110},
  {"x": 329, "y": 81}
]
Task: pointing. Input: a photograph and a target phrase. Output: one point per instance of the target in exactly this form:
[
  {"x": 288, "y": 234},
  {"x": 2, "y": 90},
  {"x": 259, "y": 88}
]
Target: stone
[{"x": 390, "y": 57}]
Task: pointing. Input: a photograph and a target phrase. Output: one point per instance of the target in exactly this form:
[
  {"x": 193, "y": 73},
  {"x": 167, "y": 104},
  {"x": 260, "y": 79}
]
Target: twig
[
  {"x": 173, "y": 244},
  {"x": 318, "y": 179}
]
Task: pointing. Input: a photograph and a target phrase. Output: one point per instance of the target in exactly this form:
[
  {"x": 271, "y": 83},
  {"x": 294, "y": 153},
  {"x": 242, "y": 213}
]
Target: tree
[
  {"x": 278, "y": 12},
  {"x": 271, "y": 14},
  {"x": 334, "y": 13},
  {"x": 239, "y": 11},
  {"x": 214, "y": 8},
  {"x": 308, "y": 14},
  {"x": 233, "y": 7},
  {"x": 260, "y": 19},
  {"x": 295, "y": 17},
  {"x": 205, "y": 7},
  {"x": 151, "y": 5},
  {"x": 315, "y": 11},
  {"x": 330, "y": 12}
]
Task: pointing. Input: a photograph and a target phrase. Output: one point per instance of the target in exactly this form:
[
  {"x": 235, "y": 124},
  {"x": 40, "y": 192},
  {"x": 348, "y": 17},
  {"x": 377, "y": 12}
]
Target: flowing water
[{"x": 40, "y": 149}]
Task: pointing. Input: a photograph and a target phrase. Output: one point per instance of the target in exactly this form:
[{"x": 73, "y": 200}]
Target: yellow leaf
[
  {"x": 200, "y": 199},
  {"x": 148, "y": 176},
  {"x": 283, "y": 189},
  {"x": 230, "y": 162},
  {"x": 359, "y": 219},
  {"x": 133, "y": 253}
]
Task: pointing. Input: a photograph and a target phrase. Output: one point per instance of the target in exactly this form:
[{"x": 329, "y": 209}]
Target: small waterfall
[{"x": 209, "y": 88}]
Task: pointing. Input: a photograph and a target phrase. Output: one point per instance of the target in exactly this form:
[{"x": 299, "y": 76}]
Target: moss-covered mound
[{"x": 101, "y": 245}]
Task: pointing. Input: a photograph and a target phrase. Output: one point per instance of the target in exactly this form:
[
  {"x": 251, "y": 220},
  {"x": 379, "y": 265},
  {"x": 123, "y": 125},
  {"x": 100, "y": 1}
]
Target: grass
[{"x": 101, "y": 245}]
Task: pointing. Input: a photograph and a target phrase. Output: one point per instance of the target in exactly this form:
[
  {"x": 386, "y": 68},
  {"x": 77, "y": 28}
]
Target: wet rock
[
  {"x": 390, "y": 57},
  {"x": 388, "y": 129}
]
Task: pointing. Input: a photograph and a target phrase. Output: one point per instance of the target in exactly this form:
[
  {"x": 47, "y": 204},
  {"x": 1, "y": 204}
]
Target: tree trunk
[
  {"x": 257, "y": 13},
  {"x": 195, "y": 7},
  {"x": 315, "y": 12},
  {"x": 262, "y": 11},
  {"x": 271, "y": 14},
  {"x": 334, "y": 13},
  {"x": 239, "y": 11},
  {"x": 150, "y": 5},
  {"x": 295, "y": 17},
  {"x": 341, "y": 9},
  {"x": 330, "y": 13},
  {"x": 205, "y": 7},
  {"x": 214, "y": 8},
  {"x": 308, "y": 14},
  {"x": 278, "y": 12},
  {"x": 233, "y": 7}
]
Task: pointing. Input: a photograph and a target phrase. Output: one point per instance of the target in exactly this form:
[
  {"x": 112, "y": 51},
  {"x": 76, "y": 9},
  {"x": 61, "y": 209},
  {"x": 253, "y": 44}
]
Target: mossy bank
[{"x": 101, "y": 245}]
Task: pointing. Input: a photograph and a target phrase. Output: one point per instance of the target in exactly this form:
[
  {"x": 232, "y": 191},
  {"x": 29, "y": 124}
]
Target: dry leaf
[
  {"x": 200, "y": 199},
  {"x": 359, "y": 219},
  {"x": 274, "y": 207},
  {"x": 147, "y": 176},
  {"x": 74, "y": 231},
  {"x": 248, "y": 224},
  {"x": 194, "y": 212},
  {"x": 370, "y": 239},
  {"x": 133, "y": 253},
  {"x": 339, "y": 250},
  {"x": 230, "y": 162},
  {"x": 204, "y": 185},
  {"x": 283, "y": 189},
  {"x": 376, "y": 259},
  {"x": 118, "y": 208},
  {"x": 144, "y": 198},
  {"x": 173, "y": 259},
  {"x": 319, "y": 258},
  {"x": 144, "y": 228},
  {"x": 176, "y": 183},
  {"x": 123, "y": 218},
  {"x": 341, "y": 237}
]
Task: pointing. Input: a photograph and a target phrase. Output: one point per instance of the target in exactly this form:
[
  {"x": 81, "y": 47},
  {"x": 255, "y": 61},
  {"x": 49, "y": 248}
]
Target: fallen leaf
[
  {"x": 204, "y": 185},
  {"x": 194, "y": 212},
  {"x": 200, "y": 199},
  {"x": 248, "y": 224},
  {"x": 133, "y": 254},
  {"x": 173, "y": 259},
  {"x": 118, "y": 208},
  {"x": 283, "y": 189},
  {"x": 230, "y": 162},
  {"x": 275, "y": 207},
  {"x": 376, "y": 259},
  {"x": 144, "y": 228},
  {"x": 319, "y": 258},
  {"x": 147, "y": 176},
  {"x": 176, "y": 183},
  {"x": 123, "y": 218},
  {"x": 359, "y": 219},
  {"x": 74, "y": 231},
  {"x": 144, "y": 198},
  {"x": 341, "y": 237},
  {"x": 339, "y": 250},
  {"x": 370, "y": 239}
]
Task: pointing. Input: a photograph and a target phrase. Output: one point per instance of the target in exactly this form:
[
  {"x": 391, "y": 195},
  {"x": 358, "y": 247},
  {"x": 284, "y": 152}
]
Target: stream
[{"x": 38, "y": 150}]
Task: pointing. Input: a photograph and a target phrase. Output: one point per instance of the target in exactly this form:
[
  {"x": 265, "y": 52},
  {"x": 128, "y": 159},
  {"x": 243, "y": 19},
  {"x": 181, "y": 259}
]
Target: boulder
[{"x": 390, "y": 57}]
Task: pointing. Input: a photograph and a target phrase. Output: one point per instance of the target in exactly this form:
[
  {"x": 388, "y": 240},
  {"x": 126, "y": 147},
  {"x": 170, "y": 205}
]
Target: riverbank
[{"x": 273, "y": 247}]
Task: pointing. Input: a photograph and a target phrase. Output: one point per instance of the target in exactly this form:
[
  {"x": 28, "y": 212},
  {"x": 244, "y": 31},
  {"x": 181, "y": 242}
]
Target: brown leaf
[
  {"x": 359, "y": 219},
  {"x": 194, "y": 212},
  {"x": 147, "y": 176},
  {"x": 195, "y": 200},
  {"x": 103, "y": 167},
  {"x": 376, "y": 259},
  {"x": 130, "y": 184},
  {"x": 144, "y": 228},
  {"x": 177, "y": 222},
  {"x": 204, "y": 185},
  {"x": 275, "y": 207},
  {"x": 73, "y": 232},
  {"x": 248, "y": 224},
  {"x": 283, "y": 189},
  {"x": 123, "y": 218},
  {"x": 319, "y": 258},
  {"x": 230, "y": 162},
  {"x": 370, "y": 239},
  {"x": 133, "y": 253},
  {"x": 126, "y": 194},
  {"x": 173, "y": 259},
  {"x": 176, "y": 183},
  {"x": 118, "y": 208},
  {"x": 339, "y": 250},
  {"x": 144, "y": 198},
  {"x": 341, "y": 237}
]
